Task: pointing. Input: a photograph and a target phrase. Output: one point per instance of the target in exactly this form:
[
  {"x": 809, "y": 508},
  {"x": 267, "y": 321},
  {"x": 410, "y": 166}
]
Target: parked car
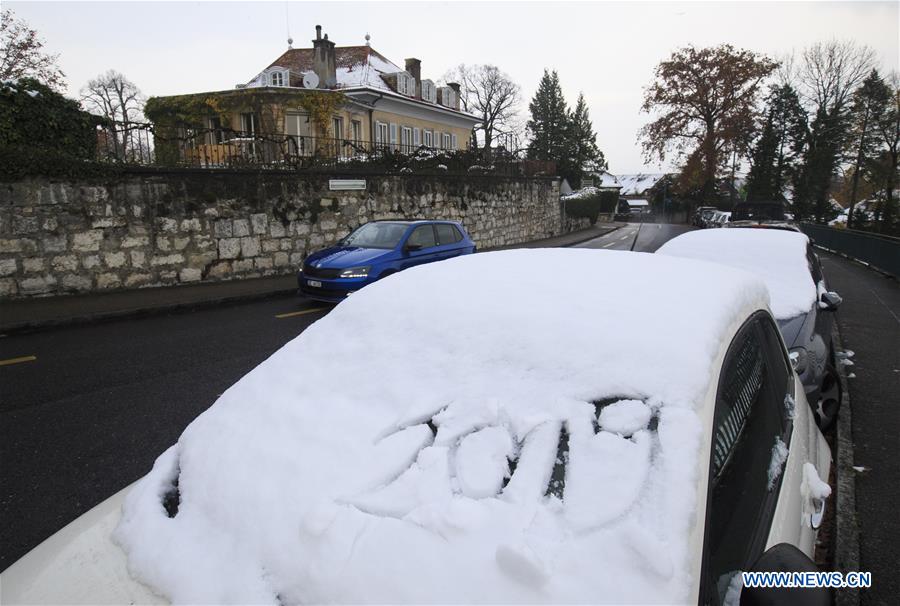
[
  {"x": 706, "y": 216},
  {"x": 720, "y": 219},
  {"x": 785, "y": 259},
  {"x": 462, "y": 434},
  {"x": 697, "y": 217},
  {"x": 376, "y": 250}
]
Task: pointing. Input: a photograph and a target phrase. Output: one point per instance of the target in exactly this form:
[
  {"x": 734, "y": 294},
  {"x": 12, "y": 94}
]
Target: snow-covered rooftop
[
  {"x": 777, "y": 256},
  {"x": 407, "y": 447},
  {"x": 605, "y": 180},
  {"x": 636, "y": 185}
]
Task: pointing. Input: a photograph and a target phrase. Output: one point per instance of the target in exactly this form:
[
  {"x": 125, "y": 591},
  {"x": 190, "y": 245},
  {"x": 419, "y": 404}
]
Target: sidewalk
[{"x": 45, "y": 312}]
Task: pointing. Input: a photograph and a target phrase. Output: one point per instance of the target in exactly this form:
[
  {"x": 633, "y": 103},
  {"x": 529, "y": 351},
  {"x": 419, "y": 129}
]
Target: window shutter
[
  {"x": 378, "y": 133},
  {"x": 437, "y": 139},
  {"x": 417, "y": 141},
  {"x": 393, "y": 135},
  {"x": 454, "y": 141}
]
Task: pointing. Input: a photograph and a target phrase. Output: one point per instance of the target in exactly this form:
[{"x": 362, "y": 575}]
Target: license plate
[{"x": 314, "y": 283}]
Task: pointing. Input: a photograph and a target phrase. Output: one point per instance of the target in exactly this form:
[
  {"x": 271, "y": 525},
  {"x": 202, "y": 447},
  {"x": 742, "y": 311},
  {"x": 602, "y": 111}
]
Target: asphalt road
[
  {"x": 869, "y": 322},
  {"x": 645, "y": 237}
]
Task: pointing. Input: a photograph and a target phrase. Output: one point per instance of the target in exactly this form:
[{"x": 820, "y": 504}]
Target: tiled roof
[{"x": 356, "y": 66}]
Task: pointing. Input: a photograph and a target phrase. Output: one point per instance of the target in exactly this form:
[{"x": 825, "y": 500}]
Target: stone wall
[{"x": 155, "y": 229}]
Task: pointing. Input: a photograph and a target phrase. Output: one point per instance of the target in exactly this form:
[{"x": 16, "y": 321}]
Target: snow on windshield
[
  {"x": 506, "y": 427},
  {"x": 777, "y": 256}
]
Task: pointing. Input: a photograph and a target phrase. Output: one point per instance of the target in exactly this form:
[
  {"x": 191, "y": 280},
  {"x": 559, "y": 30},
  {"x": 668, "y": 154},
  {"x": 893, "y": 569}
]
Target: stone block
[
  {"x": 134, "y": 280},
  {"x": 33, "y": 265},
  {"x": 328, "y": 225},
  {"x": 243, "y": 265},
  {"x": 167, "y": 225},
  {"x": 201, "y": 259},
  {"x": 276, "y": 229},
  {"x": 50, "y": 224},
  {"x": 108, "y": 222},
  {"x": 134, "y": 241},
  {"x": 223, "y": 229},
  {"x": 8, "y": 287},
  {"x": 263, "y": 263},
  {"x": 241, "y": 227},
  {"x": 270, "y": 245},
  {"x": 108, "y": 280},
  {"x": 138, "y": 258},
  {"x": 64, "y": 263},
  {"x": 114, "y": 260},
  {"x": 173, "y": 259},
  {"x": 250, "y": 247},
  {"x": 76, "y": 282},
  {"x": 37, "y": 285},
  {"x": 286, "y": 244},
  {"x": 326, "y": 202},
  {"x": 297, "y": 258},
  {"x": 24, "y": 225},
  {"x": 219, "y": 270},
  {"x": 163, "y": 243},
  {"x": 229, "y": 248},
  {"x": 87, "y": 241},
  {"x": 8, "y": 267},
  {"x": 190, "y": 274},
  {"x": 90, "y": 261},
  {"x": 191, "y": 225},
  {"x": 259, "y": 222},
  {"x": 54, "y": 243},
  {"x": 180, "y": 243},
  {"x": 12, "y": 245},
  {"x": 281, "y": 259}
]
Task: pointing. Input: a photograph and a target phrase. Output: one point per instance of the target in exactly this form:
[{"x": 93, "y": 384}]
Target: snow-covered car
[
  {"x": 452, "y": 434},
  {"x": 784, "y": 258}
]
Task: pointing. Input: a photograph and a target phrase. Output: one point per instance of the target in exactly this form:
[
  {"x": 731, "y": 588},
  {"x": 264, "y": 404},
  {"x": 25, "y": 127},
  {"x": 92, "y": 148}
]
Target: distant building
[{"x": 640, "y": 185}]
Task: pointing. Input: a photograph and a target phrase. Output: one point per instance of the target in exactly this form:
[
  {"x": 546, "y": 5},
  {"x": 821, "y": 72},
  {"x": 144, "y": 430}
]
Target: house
[
  {"x": 602, "y": 180},
  {"x": 324, "y": 99},
  {"x": 640, "y": 185}
]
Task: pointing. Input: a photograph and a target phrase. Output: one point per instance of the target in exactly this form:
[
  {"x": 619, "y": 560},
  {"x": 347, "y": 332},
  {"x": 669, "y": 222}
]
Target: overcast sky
[{"x": 606, "y": 50}]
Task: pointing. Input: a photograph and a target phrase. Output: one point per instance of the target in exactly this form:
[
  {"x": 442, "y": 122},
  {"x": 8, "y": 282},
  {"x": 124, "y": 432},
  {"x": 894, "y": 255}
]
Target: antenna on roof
[
  {"x": 368, "y": 37},
  {"x": 287, "y": 25}
]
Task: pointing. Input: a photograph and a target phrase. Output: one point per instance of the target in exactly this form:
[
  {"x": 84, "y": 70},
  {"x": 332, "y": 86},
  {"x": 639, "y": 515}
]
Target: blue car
[{"x": 376, "y": 250}]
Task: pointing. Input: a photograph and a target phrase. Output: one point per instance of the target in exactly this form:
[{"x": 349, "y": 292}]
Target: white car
[{"x": 463, "y": 432}]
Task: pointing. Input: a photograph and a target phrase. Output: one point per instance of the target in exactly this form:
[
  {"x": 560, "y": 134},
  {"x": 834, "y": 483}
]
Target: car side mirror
[
  {"x": 830, "y": 301},
  {"x": 784, "y": 557}
]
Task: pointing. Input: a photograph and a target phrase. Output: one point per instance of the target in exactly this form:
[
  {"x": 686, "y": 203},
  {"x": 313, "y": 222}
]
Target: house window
[
  {"x": 250, "y": 123},
  {"x": 216, "y": 135},
  {"x": 337, "y": 126},
  {"x": 406, "y": 139},
  {"x": 406, "y": 84},
  {"x": 381, "y": 134},
  {"x": 448, "y": 97},
  {"x": 356, "y": 131},
  {"x": 429, "y": 92},
  {"x": 429, "y": 139},
  {"x": 445, "y": 143},
  {"x": 417, "y": 138},
  {"x": 393, "y": 136},
  {"x": 277, "y": 78}
]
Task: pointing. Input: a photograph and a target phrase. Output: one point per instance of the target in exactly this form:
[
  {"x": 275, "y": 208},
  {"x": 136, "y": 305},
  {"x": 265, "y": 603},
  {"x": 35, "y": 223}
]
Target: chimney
[
  {"x": 455, "y": 87},
  {"x": 414, "y": 67},
  {"x": 324, "y": 60}
]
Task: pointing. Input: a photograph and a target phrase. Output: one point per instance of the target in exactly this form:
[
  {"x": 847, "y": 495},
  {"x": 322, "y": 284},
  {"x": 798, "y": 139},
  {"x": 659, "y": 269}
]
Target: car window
[
  {"x": 447, "y": 234},
  {"x": 751, "y": 425},
  {"x": 376, "y": 235},
  {"x": 814, "y": 268},
  {"x": 422, "y": 236}
]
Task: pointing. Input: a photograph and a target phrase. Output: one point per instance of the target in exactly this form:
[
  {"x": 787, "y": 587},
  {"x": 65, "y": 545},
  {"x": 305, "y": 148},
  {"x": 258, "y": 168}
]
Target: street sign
[{"x": 344, "y": 184}]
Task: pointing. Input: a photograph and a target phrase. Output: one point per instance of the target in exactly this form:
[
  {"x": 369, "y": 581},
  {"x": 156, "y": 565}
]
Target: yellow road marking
[
  {"x": 11, "y": 361},
  {"x": 302, "y": 312}
]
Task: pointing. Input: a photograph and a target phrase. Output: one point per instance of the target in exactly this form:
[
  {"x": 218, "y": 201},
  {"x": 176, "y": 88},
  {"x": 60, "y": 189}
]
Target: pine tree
[
  {"x": 870, "y": 103},
  {"x": 583, "y": 140},
  {"x": 549, "y": 122},
  {"x": 779, "y": 147}
]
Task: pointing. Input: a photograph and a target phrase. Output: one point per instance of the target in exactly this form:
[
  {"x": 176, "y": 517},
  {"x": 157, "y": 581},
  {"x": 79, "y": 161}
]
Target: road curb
[
  {"x": 118, "y": 314},
  {"x": 846, "y": 549}
]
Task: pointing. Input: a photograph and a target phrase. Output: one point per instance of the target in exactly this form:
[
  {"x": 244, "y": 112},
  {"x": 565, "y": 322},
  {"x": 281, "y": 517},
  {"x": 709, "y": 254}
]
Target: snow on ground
[
  {"x": 435, "y": 438},
  {"x": 777, "y": 256}
]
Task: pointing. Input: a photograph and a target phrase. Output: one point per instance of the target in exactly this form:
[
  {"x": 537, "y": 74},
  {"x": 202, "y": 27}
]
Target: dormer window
[
  {"x": 276, "y": 79},
  {"x": 429, "y": 91},
  {"x": 406, "y": 84},
  {"x": 448, "y": 97}
]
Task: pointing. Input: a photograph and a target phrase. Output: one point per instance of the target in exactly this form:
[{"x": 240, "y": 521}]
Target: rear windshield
[
  {"x": 376, "y": 235},
  {"x": 758, "y": 212}
]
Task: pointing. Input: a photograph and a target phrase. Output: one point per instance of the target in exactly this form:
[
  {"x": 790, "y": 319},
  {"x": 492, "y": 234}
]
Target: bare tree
[
  {"x": 116, "y": 98},
  {"x": 491, "y": 95},
  {"x": 21, "y": 54}
]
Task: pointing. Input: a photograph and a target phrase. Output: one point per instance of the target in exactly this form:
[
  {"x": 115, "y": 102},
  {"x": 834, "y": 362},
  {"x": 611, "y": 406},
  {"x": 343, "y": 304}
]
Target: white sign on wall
[{"x": 342, "y": 184}]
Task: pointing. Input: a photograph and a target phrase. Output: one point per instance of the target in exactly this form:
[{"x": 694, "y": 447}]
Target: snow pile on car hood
[
  {"x": 777, "y": 256},
  {"x": 369, "y": 459}
]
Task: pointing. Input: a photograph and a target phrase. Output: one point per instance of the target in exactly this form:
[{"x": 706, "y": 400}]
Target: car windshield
[{"x": 376, "y": 235}]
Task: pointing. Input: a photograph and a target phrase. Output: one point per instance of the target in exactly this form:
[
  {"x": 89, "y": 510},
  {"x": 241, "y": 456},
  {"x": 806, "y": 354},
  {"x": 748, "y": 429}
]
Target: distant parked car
[
  {"x": 720, "y": 219},
  {"x": 758, "y": 211},
  {"x": 706, "y": 216},
  {"x": 800, "y": 299},
  {"x": 463, "y": 434},
  {"x": 376, "y": 250},
  {"x": 697, "y": 217}
]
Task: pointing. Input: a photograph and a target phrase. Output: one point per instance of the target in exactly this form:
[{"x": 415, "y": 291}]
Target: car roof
[
  {"x": 375, "y": 446},
  {"x": 778, "y": 256}
]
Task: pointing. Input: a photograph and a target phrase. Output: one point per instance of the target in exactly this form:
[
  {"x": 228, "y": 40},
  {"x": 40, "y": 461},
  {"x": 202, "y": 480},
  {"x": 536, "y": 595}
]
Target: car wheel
[{"x": 830, "y": 399}]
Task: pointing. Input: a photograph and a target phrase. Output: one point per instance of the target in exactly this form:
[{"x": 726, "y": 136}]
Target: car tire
[{"x": 830, "y": 396}]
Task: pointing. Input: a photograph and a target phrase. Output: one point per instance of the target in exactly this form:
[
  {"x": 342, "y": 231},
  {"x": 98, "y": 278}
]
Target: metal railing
[
  {"x": 145, "y": 145},
  {"x": 878, "y": 251}
]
